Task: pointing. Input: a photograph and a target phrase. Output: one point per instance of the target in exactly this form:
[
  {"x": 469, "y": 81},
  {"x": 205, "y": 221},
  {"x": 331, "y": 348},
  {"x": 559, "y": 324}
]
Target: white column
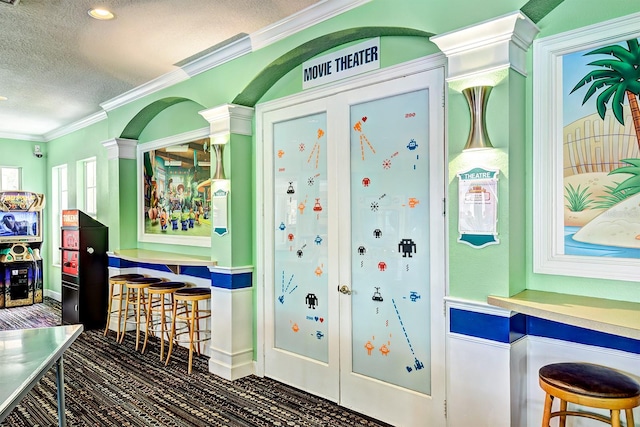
[{"x": 231, "y": 352}]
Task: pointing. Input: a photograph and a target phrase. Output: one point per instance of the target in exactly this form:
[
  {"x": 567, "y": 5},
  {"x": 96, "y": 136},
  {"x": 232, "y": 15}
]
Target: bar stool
[
  {"x": 117, "y": 282},
  {"x": 135, "y": 293},
  {"x": 157, "y": 303},
  {"x": 588, "y": 385},
  {"x": 191, "y": 314}
]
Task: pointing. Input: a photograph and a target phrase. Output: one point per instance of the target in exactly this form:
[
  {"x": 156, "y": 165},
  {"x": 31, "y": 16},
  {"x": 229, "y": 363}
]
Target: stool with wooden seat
[
  {"x": 191, "y": 314},
  {"x": 589, "y": 385},
  {"x": 117, "y": 295},
  {"x": 160, "y": 324},
  {"x": 135, "y": 294}
]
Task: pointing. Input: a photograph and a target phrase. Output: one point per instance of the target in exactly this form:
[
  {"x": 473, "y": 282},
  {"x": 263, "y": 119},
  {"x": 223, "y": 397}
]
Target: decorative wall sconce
[
  {"x": 219, "y": 191},
  {"x": 219, "y": 172},
  {"x": 477, "y": 98}
]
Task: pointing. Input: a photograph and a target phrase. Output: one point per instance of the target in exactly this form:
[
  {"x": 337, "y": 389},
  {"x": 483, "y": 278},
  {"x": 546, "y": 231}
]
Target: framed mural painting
[
  {"x": 174, "y": 190},
  {"x": 586, "y": 162}
]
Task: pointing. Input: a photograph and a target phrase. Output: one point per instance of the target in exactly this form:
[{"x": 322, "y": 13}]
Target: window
[
  {"x": 10, "y": 178},
  {"x": 90, "y": 187},
  {"x": 59, "y": 202}
]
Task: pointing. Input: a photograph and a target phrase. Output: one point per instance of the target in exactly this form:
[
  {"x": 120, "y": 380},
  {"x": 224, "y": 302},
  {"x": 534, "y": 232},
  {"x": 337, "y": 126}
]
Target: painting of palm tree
[
  {"x": 601, "y": 153},
  {"x": 617, "y": 76}
]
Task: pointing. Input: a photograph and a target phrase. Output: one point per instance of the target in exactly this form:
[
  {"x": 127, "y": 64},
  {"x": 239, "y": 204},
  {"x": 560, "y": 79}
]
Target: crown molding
[
  {"x": 22, "y": 137},
  {"x": 261, "y": 38},
  {"x": 77, "y": 125},
  {"x": 162, "y": 82},
  {"x": 306, "y": 18},
  {"x": 280, "y": 30},
  {"x": 488, "y": 46},
  {"x": 218, "y": 57}
]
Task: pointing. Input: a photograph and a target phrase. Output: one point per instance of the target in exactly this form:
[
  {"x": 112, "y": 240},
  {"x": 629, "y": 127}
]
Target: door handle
[{"x": 344, "y": 289}]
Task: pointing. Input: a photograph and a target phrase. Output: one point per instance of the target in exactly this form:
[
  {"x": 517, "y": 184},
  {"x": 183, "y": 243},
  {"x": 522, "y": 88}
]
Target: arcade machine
[
  {"x": 85, "y": 273},
  {"x": 20, "y": 242}
]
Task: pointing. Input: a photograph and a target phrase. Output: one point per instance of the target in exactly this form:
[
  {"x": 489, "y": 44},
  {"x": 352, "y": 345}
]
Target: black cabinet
[{"x": 84, "y": 270}]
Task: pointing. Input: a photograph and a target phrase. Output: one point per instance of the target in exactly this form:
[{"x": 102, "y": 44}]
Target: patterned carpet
[{"x": 108, "y": 384}]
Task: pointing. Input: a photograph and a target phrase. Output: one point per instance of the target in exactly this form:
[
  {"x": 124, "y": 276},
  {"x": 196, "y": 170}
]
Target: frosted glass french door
[
  {"x": 300, "y": 311},
  {"x": 354, "y": 286}
]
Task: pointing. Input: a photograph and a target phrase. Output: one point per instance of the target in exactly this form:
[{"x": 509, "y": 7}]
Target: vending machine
[
  {"x": 20, "y": 242},
  {"x": 84, "y": 270}
]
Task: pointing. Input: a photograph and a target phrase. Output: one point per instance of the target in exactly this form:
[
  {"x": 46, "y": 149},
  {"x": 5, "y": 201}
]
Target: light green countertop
[
  {"x": 158, "y": 257},
  {"x": 611, "y": 316}
]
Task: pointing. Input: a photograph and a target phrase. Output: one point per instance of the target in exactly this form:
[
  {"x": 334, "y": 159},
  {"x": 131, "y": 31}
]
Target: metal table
[{"x": 25, "y": 357}]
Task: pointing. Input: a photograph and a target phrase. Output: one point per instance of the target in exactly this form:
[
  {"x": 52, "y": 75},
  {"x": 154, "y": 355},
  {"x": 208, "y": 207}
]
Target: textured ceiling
[{"x": 57, "y": 65}]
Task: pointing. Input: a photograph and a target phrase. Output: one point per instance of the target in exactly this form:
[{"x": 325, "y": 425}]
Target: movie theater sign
[{"x": 348, "y": 62}]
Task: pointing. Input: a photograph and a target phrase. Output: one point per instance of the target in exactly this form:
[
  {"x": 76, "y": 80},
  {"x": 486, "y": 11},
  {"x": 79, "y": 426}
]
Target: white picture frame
[
  {"x": 550, "y": 253},
  {"x": 170, "y": 235}
]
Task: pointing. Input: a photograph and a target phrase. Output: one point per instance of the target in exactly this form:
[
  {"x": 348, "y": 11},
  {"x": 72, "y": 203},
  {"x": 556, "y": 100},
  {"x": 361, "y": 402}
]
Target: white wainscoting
[
  {"x": 494, "y": 383},
  {"x": 478, "y": 383}
]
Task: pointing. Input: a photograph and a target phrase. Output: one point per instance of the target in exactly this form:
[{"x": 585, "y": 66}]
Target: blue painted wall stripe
[
  {"x": 561, "y": 331},
  {"x": 480, "y": 325},
  {"x": 517, "y": 326},
  {"x": 218, "y": 280},
  {"x": 231, "y": 281},
  {"x": 509, "y": 329}
]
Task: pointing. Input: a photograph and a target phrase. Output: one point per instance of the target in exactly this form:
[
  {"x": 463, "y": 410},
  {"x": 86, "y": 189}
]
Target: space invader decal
[{"x": 407, "y": 247}]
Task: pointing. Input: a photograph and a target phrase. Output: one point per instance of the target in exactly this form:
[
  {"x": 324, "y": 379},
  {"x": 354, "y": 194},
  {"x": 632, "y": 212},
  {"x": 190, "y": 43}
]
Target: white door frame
[{"x": 413, "y": 67}]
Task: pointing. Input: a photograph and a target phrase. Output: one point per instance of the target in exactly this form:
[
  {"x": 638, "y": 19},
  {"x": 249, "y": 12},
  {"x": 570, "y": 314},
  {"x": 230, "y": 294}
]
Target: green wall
[
  {"x": 503, "y": 269},
  {"x": 17, "y": 153},
  {"x": 69, "y": 150},
  {"x": 34, "y": 175}
]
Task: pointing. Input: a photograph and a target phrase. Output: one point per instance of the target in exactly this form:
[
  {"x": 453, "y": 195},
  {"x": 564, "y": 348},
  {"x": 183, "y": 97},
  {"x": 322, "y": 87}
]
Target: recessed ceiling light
[
  {"x": 101, "y": 14},
  {"x": 3, "y": 98}
]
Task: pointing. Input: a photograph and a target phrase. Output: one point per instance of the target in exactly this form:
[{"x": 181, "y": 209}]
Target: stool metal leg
[{"x": 629, "y": 414}]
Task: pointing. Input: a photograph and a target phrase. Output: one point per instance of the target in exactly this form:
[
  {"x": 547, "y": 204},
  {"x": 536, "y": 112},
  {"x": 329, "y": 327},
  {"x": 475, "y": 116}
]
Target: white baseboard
[
  {"x": 231, "y": 367},
  {"x": 53, "y": 294}
]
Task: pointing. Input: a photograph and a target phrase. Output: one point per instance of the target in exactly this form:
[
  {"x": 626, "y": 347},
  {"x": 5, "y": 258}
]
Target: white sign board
[
  {"x": 478, "y": 207},
  {"x": 348, "y": 62}
]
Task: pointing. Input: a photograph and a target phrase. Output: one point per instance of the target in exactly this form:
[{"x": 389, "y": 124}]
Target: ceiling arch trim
[
  {"x": 538, "y": 9},
  {"x": 137, "y": 124},
  {"x": 281, "y": 66}
]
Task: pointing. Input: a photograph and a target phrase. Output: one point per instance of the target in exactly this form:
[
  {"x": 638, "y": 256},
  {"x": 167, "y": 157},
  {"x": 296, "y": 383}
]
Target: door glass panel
[
  {"x": 300, "y": 236},
  {"x": 390, "y": 240}
]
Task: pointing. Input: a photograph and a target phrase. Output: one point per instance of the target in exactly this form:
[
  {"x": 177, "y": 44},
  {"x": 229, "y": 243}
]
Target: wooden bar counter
[{"x": 611, "y": 316}]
